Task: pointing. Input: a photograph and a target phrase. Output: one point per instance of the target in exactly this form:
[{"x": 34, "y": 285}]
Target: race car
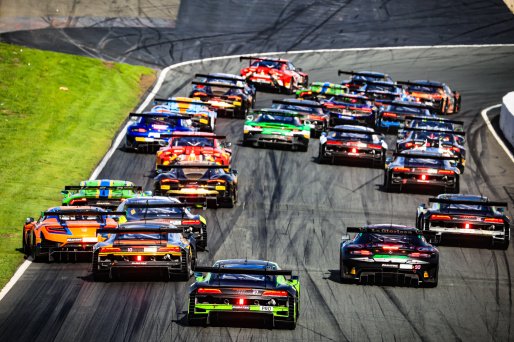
[
  {"x": 424, "y": 122},
  {"x": 349, "y": 109},
  {"x": 165, "y": 210},
  {"x": 65, "y": 232},
  {"x": 360, "y": 78},
  {"x": 383, "y": 252},
  {"x": 273, "y": 73},
  {"x": 241, "y": 288},
  {"x": 230, "y": 94},
  {"x": 311, "y": 110},
  {"x": 321, "y": 90},
  {"x": 380, "y": 91},
  {"x": 391, "y": 115},
  {"x": 464, "y": 217},
  {"x": 277, "y": 127},
  {"x": 191, "y": 147},
  {"x": 436, "y": 94},
  {"x": 446, "y": 142},
  {"x": 104, "y": 193},
  {"x": 145, "y": 246},
  {"x": 352, "y": 143},
  {"x": 197, "y": 183},
  {"x": 150, "y": 129},
  {"x": 202, "y": 115},
  {"x": 422, "y": 169}
]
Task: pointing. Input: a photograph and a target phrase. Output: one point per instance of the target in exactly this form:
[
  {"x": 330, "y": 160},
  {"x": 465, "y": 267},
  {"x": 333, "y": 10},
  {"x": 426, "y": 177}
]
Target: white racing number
[{"x": 266, "y": 308}]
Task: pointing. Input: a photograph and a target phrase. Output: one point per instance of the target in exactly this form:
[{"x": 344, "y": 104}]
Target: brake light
[
  {"x": 361, "y": 252},
  {"x": 208, "y": 291},
  {"x": 141, "y": 130},
  {"x": 190, "y": 221},
  {"x": 139, "y": 258},
  {"x": 170, "y": 249},
  {"x": 241, "y": 301},
  {"x": 493, "y": 220},
  {"x": 440, "y": 217},
  {"x": 456, "y": 149},
  {"x": 374, "y": 146},
  {"x": 216, "y": 181},
  {"x": 334, "y": 142},
  {"x": 272, "y": 293},
  {"x": 423, "y": 177},
  {"x": 109, "y": 249},
  {"x": 354, "y": 150},
  {"x": 389, "y": 115},
  {"x": 446, "y": 172},
  {"x": 467, "y": 226},
  {"x": 419, "y": 255},
  {"x": 391, "y": 248},
  {"x": 401, "y": 169},
  {"x": 409, "y": 144},
  {"x": 167, "y": 180}
]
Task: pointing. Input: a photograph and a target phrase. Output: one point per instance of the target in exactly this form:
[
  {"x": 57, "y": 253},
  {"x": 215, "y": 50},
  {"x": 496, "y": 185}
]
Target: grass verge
[{"x": 58, "y": 115}]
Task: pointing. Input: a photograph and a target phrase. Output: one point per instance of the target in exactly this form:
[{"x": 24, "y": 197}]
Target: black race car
[
  {"x": 361, "y": 78},
  {"x": 350, "y": 108},
  {"x": 427, "y": 169},
  {"x": 352, "y": 143},
  {"x": 425, "y": 122},
  {"x": 311, "y": 110},
  {"x": 196, "y": 183},
  {"x": 464, "y": 217},
  {"x": 239, "y": 287},
  {"x": 391, "y": 115},
  {"x": 386, "y": 251}
]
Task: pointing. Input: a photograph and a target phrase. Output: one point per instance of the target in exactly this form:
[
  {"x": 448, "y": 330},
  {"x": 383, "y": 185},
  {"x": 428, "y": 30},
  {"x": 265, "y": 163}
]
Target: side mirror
[
  {"x": 29, "y": 220},
  {"x": 422, "y": 205},
  {"x": 228, "y": 150},
  {"x": 249, "y": 117},
  {"x": 299, "y": 69},
  {"x": 198, "y": 276},
  {"x": 116, "y": 218},
  {"x": 234, "y": 172},
  {"x": 500, "y": 210},
  {"x": 147, "y": 193},
  {"x": 228, "y": 144},
  {"x": 163, "y": 143},
  {"x": 345, "y": 237},
  {"x": 64, "y": 192},
  {"x": 307, "y": 122}
]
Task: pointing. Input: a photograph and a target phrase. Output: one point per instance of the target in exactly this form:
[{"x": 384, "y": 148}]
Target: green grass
[{"x": 58, "y": 115}]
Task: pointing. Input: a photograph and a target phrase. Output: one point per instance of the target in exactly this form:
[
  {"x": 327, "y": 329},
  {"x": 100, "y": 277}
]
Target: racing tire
[
  {"x": 290, "y": 322},
  {"x": 186, "y": 267},
  {"x": 432, "y": 283},
  {"x": 501, "y": 245},
  {"x": 24, "y": 244},
  {"x": 342, "y": 278},
  {"x": 291, "y": 88},
  {"x": 303, "y": 148},
  {"x": 192, "y": 319},
  {"x": 457, "y": 104},
  {"x": 456, "y": 188},
  {"x": 388, "y": 186},
  {"x": 202, "y": 242},
  {"x": 35, "y": 251},
  {"x": 97, "y": 274}
]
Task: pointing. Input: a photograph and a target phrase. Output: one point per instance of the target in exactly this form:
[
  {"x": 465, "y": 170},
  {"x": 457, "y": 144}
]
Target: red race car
[
  {"x": 193, "y": 147},
  {"x": 274, "y": 73}
]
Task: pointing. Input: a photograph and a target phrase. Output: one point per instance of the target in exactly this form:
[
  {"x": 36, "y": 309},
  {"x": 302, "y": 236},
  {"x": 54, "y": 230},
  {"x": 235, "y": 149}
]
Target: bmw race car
[
  {"x": 311, "y": 110},
  {"x": 426, "y": 170},
  {"x": 464, "y": 217},
  {"x": 277, "y": 127},
  {"x": 193, "y": 147},
  {"x": 197, "y": 183},
  {"x": 391, "y": 115},
  {"x": 165, "y": 210},
  {"x": 143, "y": 246},
  {"x": 436, "y": 94},
  {"x": 387, "y": 251},
  {"x": 319, "y": 90},
  {"x": 352, "y": 143},
  {"x": 65, "y": 232},
  {"x": 350, "y": 109},
  {"x": 277, "y": 74},
  {"x": 202, "y": 115},
  {"x": 361, "y": 78},
  {"x": 241, "y": 287},
  {"x": 104, "y": 193}
]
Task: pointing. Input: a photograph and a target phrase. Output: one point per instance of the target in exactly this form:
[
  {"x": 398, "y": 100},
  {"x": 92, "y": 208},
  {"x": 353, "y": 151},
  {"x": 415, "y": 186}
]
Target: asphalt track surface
[{"x": 293, "y": 211}]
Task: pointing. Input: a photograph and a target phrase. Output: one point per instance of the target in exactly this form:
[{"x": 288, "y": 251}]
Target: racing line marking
[
  {"x": 493, "y": 131},
  {"x": 164, "y": 73}
]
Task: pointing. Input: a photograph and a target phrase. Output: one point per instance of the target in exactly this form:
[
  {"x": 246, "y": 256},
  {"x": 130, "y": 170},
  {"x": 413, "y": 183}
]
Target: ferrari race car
[
  {"x": 239, "y": 287},
  {"x": 193, "y": 147},
  {"x": 277, "y": 127},
  {"x": 352, "y": 143},
  {"x": 464, "y": 217},
  {"x": 319, "y": 90},
  {"x": 202, "y": 115},
  {"x": 277, "y": 74},
  {"x": 197, "y": 183},
  {"x": 426, "y": 170},
  {"x": 350, "y": 109},
  {"x": 432, "y": 93},
  {"x": 104, "y": 193},
  {"x": 311, "y": 110},
  {"x": 165, "y": 210},
  {"x": 391, "y": 115},
  {"x": 361, "y": 78},
  {"x": 386, "y": 251},
  {"x": 143, "y": 246},
  {"x": 153, "y": 128},
  {"x": 64, "y": 231}
]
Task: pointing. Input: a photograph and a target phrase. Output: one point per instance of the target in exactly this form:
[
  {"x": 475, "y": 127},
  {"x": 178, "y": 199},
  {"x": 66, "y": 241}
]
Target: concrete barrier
[{"x": 507, "y": 117}]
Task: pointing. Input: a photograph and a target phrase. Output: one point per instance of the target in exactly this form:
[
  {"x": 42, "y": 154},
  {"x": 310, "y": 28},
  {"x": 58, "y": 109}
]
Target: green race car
[
  {"x": 104, "y": 193},
  {"x": 318, "y": 90},
  {"x": 277, "y": 127}
]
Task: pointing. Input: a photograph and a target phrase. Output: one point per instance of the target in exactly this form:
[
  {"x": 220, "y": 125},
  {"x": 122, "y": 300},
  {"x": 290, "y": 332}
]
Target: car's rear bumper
[{"x": 275, "y": 139}]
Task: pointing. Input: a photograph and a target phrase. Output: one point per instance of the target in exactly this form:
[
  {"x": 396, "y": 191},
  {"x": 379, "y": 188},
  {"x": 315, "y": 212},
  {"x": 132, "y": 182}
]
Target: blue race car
[
  {"x": 350, "y": 109},
  {"x": 360, "y": 78},
  {"x": 202, "y": 114},
  {"x": 392, "y": 114}
]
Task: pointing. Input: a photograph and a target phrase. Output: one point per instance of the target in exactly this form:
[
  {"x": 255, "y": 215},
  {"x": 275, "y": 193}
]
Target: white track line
[
  {"x": 493, "y": 131},
  {"x": 117, "y": 141}
]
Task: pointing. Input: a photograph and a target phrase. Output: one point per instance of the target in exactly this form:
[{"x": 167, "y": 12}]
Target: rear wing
[
  {"x": 420, "y": 84},
  {"x": 432, "y": 119},
  {"x": 343, "y": 130},
  {"x": 450, "y": 201},
  {"x": 176, "y": 135},
  {"x": 360, "y": 73},
  {"x": 193, "y": 166},
  {"x": 285, "y": 102},
  {"x": 254, "y": 58},
  {"x": 434, "y": 130},
  {"x": 424, "y": 156},
  {"x": 174, "y": 115},
  {"x": 274, "y": 112},
  {"x": 227, "y": 270},
  {"x": 102, "y": 187},
  {"x": 225, "y": 77},
  {"x": 382, "y": 230},
  {"x": 409, "y": 104},
  {"x": 160, "y": 230},
  {"x": 221, "y": 85},
  {"x": 350, "y": 96},
  {"x": 194, "y": 102},
  {"x": 82, "y": 213},
  {"x": 158, "y": 205}
]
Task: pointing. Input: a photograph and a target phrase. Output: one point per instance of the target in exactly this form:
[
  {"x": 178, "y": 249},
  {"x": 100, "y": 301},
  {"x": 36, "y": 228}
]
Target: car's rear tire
[
  {"x": 432, "y": 283},
  {"x": 192, "y": 319},
  {"x": 502, "y": 245},
  {"x": 186, "y": 267},
  {"x": 35, "y": 250}
]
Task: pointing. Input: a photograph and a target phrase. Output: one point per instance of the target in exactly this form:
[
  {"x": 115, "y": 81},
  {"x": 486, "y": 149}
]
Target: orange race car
[
  {"x": 436, "y": 94},
  {"x": 193, "y": 147},
  {"x": 66, "y": 230}
]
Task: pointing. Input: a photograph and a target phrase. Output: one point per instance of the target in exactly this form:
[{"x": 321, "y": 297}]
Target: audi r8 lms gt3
[
  {"x": 311, "y": 110},
  {"x": 277, "y": 74},
  {"x": 277, "y": 127},
  {"x": 350, "y": 108},
  {"x": 424, "y": 122},
  {"x": 391, "y": 115},
  {"x": 352, "y": 143},
  {"x": 153, "y": 128},
  {"x": 142, "y": 246},
  {"x": 465, "y": 217},
  {"x": 318, "y": 90},
  {"x": 191, "y": 147},
  {"x": 422, "y": 169},
  {"x": 226, "y": 92},
  {"x": 386, "y": 251},
  {"x": 202, "y": 115},
  {"x": 240, "y": 287},
  {"x": 436, "y": 94},
  {"x": 380, "y": 91},
  {"x": 197, "y": 183},
  {"x": 165, "y": 210},
  {"x": 360, "y": 78},
  {"x": 104, "y": 193},
  {"x": 64, "y": 231}
]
